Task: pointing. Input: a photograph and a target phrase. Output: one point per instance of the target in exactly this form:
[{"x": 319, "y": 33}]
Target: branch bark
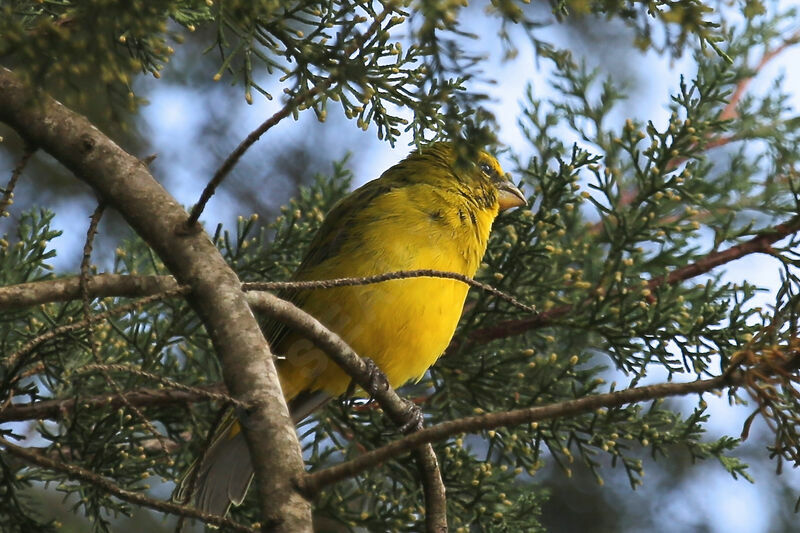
[
  {"x": 100, "y": 286},
  {"x": 125, "y": 183},
  {"x": 21, "y": 295},
  {"x": 116, "y": 285},
  {"x": 121, "y": 285}
]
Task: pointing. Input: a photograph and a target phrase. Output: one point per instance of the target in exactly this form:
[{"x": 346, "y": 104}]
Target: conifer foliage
[{"x": 112, "y": 374}]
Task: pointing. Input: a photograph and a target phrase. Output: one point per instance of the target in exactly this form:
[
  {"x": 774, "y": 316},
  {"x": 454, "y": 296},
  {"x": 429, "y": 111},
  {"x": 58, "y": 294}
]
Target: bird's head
[
  {"x": 508, "y": 194},
  {"x": 479, "y": 173}
]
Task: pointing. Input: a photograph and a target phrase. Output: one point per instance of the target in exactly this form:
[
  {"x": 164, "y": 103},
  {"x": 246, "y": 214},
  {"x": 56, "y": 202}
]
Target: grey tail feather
[{"x": 222, "y": 476}]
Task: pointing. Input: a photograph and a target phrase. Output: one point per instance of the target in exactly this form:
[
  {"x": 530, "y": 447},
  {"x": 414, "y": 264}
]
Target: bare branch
[
  {"x": 86, "y": 261},
  {"x": 99, "y": 286},
  {"x": 29, "y": 346},
  {"x": 473, "y": 424},
  {"x": 433, "y": 488},
  {"x": 104, "y": 285},
  {"x": 730, "y": 109},
  {"x": 203, "y": 391},
  {"x": 59, "y": 408},
  {"x": 117, "y": 285},
  {"x": 761, "y": 243},
  {"x": 81, "y": 474},
  {"x": 8, "y": 192},
  {"x": 379, "y": 278}
]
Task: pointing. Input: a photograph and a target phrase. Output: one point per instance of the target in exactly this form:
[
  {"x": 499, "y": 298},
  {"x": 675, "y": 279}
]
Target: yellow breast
[{"x": 402, "y": 325}]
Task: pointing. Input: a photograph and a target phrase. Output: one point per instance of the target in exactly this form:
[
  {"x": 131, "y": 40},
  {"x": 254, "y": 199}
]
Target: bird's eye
[{"x": 486, "y": 168}]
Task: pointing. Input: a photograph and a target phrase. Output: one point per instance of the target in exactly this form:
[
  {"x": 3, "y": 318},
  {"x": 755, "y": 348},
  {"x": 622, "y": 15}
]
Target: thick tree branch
[
  {"x": 99, "y": 286},
  {"x": 123, "y": 182},
  {"x": 81, "y": 474},
  {"x": 135, "y": 286}
]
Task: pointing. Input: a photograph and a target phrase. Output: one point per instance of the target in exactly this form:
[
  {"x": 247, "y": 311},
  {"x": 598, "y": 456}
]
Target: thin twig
[
  {"x": 121, "y": 285},
  {"x": 29, "y": 346},
  {"x": 380, "y": 278},
  {"x": 8, "y": 192},
  {"x": 729, "y": 112},
  {"x": 761, "y": 243},
  {"x": 293, "y": 103},
  {"x": 204, "y": 392},
  {"x": 117, "y": 285},
  {"x": 22, "y": 295},
  {"x": 58, "y": 408},
  {"x": 87, "y": 476},
  {"x": 473, "y": 424},
  {"x": 86, "y": 262},
  {"x": 234, "y": 157}
]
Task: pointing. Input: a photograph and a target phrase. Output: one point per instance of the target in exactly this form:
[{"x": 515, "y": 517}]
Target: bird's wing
[{"x": 339, "y": 226}]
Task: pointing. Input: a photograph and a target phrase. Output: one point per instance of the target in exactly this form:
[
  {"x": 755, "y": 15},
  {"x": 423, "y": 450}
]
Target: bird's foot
[
  {"x": 414, "y": 419},
  {"x": 377, "y": 379}
]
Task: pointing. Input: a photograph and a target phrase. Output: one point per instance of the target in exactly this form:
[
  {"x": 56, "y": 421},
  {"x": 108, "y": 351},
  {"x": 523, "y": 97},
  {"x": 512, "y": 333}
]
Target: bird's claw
[
  {"x": 377, "y": 379},
  {"x": 414, "y": 419}
]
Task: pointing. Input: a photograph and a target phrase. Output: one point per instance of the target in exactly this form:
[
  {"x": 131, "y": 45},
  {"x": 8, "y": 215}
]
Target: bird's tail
[{"x": 221, "y": 477}]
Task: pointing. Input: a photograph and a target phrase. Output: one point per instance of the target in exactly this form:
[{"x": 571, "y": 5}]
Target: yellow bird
[{"x": 429, "y": 211}]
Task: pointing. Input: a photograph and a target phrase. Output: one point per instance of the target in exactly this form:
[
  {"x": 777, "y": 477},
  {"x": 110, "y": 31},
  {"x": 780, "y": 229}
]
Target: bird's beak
[{"x": 510, "y": 196}]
